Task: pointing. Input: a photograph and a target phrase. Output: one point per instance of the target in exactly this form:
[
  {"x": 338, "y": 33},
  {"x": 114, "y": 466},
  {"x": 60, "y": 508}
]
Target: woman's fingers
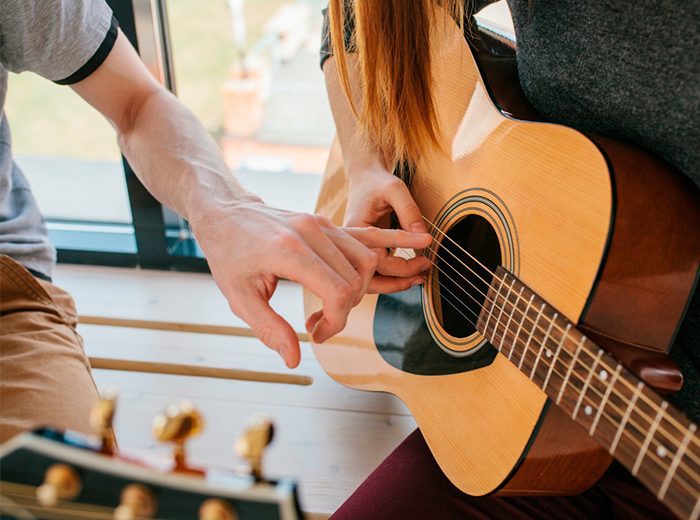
[
  {"x": 392, "y": 284},
  {"x": 399, "y": 198},
  {"x": 407, "y": 268}
]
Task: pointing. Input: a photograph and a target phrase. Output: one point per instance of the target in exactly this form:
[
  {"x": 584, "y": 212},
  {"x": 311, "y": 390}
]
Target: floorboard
[{"x": 327, "y": 436}]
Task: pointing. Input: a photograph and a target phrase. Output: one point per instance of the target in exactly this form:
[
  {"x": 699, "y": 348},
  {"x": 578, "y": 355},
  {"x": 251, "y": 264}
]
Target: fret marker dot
[
  {"x": 548, "y": 353},
  {"x": 661, "y": 451},
  {"x": 588, "y": 410},
  {"x": 603, "y": 375}
]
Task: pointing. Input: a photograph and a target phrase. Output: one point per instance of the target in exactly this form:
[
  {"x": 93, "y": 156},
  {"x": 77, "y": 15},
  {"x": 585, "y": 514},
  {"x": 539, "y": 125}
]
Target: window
[{"x": 248, "y": 70}]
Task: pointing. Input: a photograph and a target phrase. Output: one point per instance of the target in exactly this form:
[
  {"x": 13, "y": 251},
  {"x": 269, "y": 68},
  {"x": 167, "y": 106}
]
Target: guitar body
[{"x": 603, "y": 232}]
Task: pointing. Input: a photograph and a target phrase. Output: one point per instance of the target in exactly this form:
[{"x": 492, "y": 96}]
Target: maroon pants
[{"x": 410, "y": 485}]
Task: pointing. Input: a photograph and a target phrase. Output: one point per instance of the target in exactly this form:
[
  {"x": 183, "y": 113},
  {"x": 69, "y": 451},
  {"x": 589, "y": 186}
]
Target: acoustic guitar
[
  {"x": 563, "y": 264},
  {"x": 51, "y": 474}
]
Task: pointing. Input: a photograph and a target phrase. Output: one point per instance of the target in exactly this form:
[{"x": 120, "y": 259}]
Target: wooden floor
[{"x": 328, "y": 437}]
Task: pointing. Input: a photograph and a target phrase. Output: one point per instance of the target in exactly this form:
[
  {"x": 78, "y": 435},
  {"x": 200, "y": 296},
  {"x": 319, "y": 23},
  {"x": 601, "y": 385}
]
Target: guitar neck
[{"x": 652, "y": 439}]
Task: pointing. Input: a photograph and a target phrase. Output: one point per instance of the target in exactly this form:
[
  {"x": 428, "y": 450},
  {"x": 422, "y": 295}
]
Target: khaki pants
[{"x": 45, "y": 375}]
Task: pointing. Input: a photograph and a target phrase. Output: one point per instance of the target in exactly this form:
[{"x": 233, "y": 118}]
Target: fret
[
  {"x": 625, "y": 418},
  {"x": 571, "y": 367},
  {"x": 493, "y": 304},
  {"x": 696, "y": 510},
  {"x": 676, "y": 461},
  {"x": 529, "y": 338},
  {"x": 520, "y": 326},
  {"x": 552, "y": 321},
  {"x": 555, "y": 358},
  {"x": 510, "y": 318},
  {"x": 604, "y": 401},
  {"x": 650, "y": 435},
  {"x": 500, "y": 314},
  {"x": 588, "y": 382}
]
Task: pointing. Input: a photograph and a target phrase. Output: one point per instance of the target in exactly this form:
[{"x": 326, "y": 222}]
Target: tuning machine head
[
  {"x": 137, "y": 502},
  {"x": 61, "y": 482},
  {"x": 251, "y": 445},
  {"x": 177, "y": 424},
  {"x": 102, "y": 419},
  {"x": 217, "y": 509}
]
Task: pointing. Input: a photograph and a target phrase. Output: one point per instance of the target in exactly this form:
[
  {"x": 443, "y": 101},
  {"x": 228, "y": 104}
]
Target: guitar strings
[
  {"x": 28, "y": 502},
  {"x": 584, "y": 365},
  {"x": 640, "y": 412},
  {"x": 651, "y": 454},
  {"x": 660, "y": 427},
  {"x": 653, "y": 405}
]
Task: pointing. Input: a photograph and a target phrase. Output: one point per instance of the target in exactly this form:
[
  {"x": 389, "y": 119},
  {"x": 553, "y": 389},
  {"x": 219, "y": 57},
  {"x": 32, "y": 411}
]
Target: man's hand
[{"x": 250, "y": 246}]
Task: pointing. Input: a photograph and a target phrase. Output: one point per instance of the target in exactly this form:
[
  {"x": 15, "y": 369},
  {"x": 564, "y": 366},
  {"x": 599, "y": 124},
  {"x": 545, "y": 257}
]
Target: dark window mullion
[{"x": 146, "y": 211}]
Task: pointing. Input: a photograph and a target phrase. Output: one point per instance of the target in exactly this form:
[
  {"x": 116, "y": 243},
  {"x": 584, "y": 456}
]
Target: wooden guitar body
[{"x": 603, "y": 232}]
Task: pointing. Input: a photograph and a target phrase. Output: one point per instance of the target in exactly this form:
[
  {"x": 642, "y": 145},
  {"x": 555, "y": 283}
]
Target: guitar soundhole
[{"x": 466, "y": 259}]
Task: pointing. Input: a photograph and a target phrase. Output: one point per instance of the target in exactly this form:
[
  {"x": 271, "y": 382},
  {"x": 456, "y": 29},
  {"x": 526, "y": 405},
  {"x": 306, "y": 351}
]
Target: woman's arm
[{"x": 373, "y": 191}]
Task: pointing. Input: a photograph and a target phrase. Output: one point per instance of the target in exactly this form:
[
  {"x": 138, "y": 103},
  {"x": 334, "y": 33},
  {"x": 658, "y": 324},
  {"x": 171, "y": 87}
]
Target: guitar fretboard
[{"x": 656, "y": 442}]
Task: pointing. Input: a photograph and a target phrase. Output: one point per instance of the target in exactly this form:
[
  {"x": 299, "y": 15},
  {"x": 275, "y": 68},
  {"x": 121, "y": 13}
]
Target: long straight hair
[{"x": 392, "y": 39}]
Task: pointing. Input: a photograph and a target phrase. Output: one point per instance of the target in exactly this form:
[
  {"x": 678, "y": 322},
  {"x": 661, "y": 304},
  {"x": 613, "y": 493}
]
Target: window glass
[
  {"x": 68, "y": 151},
  {"x": 249, "y": 70}
]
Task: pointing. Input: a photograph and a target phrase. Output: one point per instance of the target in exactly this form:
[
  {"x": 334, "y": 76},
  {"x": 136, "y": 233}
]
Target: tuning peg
[
  {"x": 101, "y": 419},
  {"x": 177, "y": 424},
  {"x": 217, "y": 509},
  {"x": 251, "y": 445},
  {"x": 61, "y": 482},
  {"x": 137, "y": 502}
]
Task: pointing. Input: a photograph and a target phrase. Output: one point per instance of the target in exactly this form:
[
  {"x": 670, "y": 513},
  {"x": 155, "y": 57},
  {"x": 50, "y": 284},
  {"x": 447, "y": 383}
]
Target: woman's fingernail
[
  {"x": 418, "y": 227},
  {"x": 417, "y": 281}
]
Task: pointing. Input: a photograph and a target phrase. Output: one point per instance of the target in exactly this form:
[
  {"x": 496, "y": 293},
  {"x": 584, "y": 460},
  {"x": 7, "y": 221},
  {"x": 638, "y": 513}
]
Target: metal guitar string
[
  {"x": 652, "y": 454},
  {"x": 640, "y": 412},
  {"x": 670, "y": 418},
  {"x": 495, "y": 305},
  {"x": 26, "y": 500}
]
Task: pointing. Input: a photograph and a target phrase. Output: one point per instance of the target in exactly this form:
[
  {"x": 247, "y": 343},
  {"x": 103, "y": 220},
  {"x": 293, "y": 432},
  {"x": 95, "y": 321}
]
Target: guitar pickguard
[{"x": 404, "y": 341}]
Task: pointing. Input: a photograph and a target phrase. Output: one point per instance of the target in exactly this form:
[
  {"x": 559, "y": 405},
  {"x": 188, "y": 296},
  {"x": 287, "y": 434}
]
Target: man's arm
[
  {"x": 248, "y": 245},
  {"x": 159, "y": 136}
]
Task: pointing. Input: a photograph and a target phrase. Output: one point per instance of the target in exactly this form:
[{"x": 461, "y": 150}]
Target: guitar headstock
[{"x": 53, "y": 474}]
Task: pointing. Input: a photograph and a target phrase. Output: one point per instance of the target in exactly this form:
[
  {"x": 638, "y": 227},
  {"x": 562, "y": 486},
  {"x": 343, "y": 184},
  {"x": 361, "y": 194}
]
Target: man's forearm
[{"x": 177, "y": 160}]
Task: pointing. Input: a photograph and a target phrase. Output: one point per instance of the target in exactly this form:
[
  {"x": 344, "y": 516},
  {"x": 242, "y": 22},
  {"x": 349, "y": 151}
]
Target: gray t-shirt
[{"x": 63, "y": 41}]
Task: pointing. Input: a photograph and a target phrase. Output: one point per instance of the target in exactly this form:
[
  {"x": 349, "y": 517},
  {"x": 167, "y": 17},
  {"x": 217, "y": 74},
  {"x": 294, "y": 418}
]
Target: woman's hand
[
  {"x": 250, "y": 246},
  {"x": 373, "y": 193}
]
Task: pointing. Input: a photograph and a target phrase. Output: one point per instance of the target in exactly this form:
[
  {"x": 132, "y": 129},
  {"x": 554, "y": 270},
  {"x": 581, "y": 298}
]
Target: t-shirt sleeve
[
  {"x": 326, "y": 44},
  {"x": 62, "y": 40}
]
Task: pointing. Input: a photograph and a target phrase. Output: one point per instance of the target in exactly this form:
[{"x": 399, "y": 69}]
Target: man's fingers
[
  {"x": 319, "y": 235},
  {"x": 313, "y": 320},
  {"x": 391, "y": 284},
  {"x": 391, "y": 238},
  {"x": 362, "y": 258},
  {"x": 307, "y": 269},
  {"x": 271, "y": 328}
]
